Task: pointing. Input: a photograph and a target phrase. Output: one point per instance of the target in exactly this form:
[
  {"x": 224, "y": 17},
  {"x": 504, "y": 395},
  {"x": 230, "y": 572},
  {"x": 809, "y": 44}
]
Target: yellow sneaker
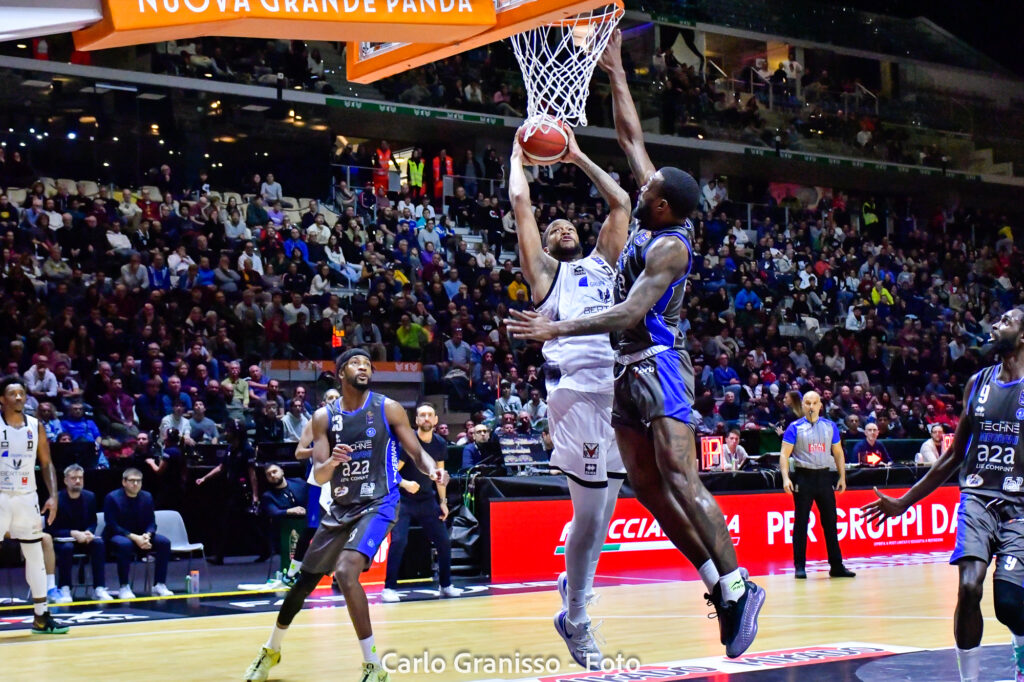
[
  {"x": 372, "y": 672},
  {"x": 260, "y": 668}
]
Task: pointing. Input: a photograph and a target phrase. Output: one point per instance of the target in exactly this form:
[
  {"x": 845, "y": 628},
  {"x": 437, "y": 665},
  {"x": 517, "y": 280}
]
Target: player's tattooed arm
[{"x": 666, "y": 262}]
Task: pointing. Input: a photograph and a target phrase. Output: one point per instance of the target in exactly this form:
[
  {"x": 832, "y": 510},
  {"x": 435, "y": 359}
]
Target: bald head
[{"x": 812, "y": 405}]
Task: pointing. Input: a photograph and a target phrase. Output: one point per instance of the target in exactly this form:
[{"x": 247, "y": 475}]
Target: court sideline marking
[{"x": 14, "y": 639}]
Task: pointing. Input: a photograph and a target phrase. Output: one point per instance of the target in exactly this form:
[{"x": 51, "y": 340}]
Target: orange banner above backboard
[
  {"x": 129, "y": 22},
  {"x": 367, "y": 63}
]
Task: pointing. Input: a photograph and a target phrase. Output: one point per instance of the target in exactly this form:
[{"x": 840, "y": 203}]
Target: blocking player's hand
[
  {"x": 572, "y": 149},
  {"x": 611, "y": 59},
  {"x": 50, "y": 508},
  {"x": 531, "y": 325},
  {"x": 440, "y": 476},
  {"x": 411, "y": 487},
  {"x": 341, "y": 453},
  {"x": 883, "y": 508}
]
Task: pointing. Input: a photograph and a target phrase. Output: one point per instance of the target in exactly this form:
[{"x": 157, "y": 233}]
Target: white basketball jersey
[
  {"x": 18, "y": 456},
  {"x": 580, "y": 289}
]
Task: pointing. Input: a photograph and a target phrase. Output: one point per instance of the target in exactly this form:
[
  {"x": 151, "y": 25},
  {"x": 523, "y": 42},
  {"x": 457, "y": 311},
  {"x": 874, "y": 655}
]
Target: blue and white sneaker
[
  {"x": 580, "y": 639},
  {"x": 53, "y": 595}
]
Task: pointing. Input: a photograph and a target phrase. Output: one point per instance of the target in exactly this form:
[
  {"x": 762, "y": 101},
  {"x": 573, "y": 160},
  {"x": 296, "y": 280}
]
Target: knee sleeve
[
  {"x": 35, "y": 569},
  {"x": 296, "y": 597},
  {"x": 1009, "y": 603},
  {"x": 303, "y": 543}
]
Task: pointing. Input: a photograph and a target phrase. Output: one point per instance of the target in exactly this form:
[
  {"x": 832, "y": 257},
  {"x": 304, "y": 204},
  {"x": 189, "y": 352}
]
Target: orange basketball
[{"x": 547, "y": 143}]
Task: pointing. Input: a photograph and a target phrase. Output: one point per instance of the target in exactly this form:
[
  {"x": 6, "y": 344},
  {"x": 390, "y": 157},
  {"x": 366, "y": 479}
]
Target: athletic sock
[
  {"x": 369, "y": 650},
  {"x": 39, "y": 608},
  {"x": 967, "y": 661},
  {"x": 293, "y": 568},
  {"x": 709, "y": 574},
  {"x": 51, "y": 581},
  {"x": 733, "y": 586},
  {"x": 276, "y": 637},
  {"x": 577, "y": 606},
  {"x": 1018, "y": 640}
]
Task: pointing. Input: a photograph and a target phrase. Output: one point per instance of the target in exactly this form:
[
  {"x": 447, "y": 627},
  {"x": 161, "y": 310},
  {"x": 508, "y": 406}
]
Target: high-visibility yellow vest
[{"x": 416, "y": 173}]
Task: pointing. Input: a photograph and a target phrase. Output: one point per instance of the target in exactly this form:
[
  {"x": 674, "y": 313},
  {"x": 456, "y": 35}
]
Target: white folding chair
[{"x": 170, "y": 524}]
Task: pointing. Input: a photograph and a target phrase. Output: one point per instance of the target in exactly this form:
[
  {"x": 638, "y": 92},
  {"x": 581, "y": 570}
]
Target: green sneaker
[
  {"x": 1018, "y": 663},
  {"x": 46, "y": 625},
  {"x": 372, "y": 672},
  {"x": 259, "y": 669}
]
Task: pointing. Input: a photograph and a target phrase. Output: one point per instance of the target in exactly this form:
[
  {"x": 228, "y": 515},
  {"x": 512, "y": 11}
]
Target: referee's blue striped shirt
[{"x": 812, "y": 443}]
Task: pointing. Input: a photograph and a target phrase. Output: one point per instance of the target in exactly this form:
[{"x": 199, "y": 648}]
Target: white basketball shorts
[
  {"x": 19, "y": 515},
  {"x": 581, "y": 431}
]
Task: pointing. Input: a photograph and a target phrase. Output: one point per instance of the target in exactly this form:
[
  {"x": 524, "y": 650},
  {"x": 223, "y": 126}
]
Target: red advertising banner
[{"x": 528, "y": 537}]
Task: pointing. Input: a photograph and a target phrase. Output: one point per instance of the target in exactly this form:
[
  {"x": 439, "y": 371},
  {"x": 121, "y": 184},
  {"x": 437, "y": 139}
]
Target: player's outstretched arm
[
  {"x": 613, "y": 234},
  {"x": 950, "y": 460},
  {"x": 627, "y": 122},
  {"x": 666, "y": 262},
  {"x": 398, "y": 420},
  {"x": 538, "y": 267}
]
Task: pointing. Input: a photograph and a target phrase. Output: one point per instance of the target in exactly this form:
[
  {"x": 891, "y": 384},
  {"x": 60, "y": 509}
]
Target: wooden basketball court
[{"x": 656, "y": 622}]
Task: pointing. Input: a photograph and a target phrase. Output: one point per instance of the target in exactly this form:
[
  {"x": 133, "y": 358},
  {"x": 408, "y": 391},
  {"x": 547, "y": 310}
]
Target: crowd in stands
[
  {"x": 143, "y": 318},
  {"x": 242, "y": 60},
  {"x": 814, "y": 105}
]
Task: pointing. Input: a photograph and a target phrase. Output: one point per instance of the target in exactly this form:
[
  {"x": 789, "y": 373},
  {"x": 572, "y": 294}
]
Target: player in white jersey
[
  {"x": 22, "y": 444},
  {"x": 580, "y": 379}
]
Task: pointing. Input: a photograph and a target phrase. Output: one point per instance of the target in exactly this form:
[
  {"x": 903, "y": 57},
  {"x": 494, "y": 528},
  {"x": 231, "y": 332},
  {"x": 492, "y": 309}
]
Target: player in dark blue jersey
[
  {"x": 355, "y": 449},
  {"x": 653, "y": 400},
  {"x": 988, "y": 453}
]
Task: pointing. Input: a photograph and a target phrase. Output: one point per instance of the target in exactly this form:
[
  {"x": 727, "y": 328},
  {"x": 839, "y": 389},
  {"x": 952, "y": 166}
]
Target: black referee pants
[
  {"x": 814, "y": 486},
  {"x": 426, "y": 513}
]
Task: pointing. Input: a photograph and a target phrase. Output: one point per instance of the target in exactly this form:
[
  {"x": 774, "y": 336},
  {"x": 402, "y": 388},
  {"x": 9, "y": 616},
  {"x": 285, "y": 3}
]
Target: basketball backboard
[{"x": 368, "y": 61}]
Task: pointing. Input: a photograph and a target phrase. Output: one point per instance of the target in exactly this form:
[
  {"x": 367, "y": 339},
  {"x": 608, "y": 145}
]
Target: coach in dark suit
[
  {"x": 74, "y": 529},
  {"x": 130, "y": 528}
]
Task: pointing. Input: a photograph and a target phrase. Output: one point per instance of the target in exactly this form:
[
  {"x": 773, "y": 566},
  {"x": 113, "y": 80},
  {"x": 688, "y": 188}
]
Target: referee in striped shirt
[{"x": 813, "y": 443}]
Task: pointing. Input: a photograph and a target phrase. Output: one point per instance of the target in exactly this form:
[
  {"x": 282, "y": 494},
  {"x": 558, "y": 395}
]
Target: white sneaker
[
  {"x": 125, "y": 592},
  {"x": 583, "y": 646},
  {"x": 450, "y": 591},
  {"x": 101, "y": 594},
  {"x": 65, "y": 595},
  {"x": 389, "y": 596},
  {"x": 160, "y": 590}
]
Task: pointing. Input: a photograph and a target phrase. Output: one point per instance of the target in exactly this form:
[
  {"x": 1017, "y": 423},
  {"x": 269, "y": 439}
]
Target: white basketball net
[{"x": 557, "y": 61}]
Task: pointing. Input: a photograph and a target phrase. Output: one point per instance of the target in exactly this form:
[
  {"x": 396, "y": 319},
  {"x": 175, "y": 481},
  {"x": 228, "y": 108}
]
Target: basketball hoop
[{"x": 557, "y": 60}]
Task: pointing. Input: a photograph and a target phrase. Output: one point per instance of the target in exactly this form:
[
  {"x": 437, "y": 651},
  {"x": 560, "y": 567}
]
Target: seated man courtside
[{"x": 131, "y": 529}]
